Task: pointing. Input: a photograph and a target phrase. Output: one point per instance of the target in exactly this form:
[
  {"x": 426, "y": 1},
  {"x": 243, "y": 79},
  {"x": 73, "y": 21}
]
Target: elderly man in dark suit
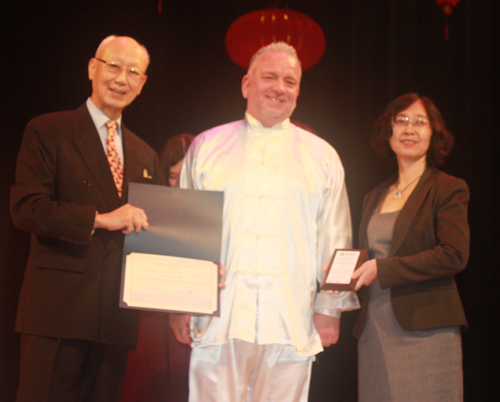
[{"x": 72, "y": 175}]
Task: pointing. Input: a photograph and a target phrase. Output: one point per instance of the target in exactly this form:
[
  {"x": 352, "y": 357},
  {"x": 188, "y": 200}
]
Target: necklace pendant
[{"x": 397, "y": 195}]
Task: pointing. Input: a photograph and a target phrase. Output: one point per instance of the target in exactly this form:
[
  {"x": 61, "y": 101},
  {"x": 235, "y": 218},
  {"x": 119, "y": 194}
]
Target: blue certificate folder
[{"x": 182, "y": 223}]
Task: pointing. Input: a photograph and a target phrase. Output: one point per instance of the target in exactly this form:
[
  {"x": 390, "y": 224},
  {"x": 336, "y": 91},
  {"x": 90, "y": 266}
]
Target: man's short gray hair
[
  {"x": 105, "y": 41},
  {"x": 274, "y": 47}
]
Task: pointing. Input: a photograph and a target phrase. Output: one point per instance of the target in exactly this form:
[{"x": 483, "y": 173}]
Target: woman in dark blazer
[{"x": 415, "y": 227}]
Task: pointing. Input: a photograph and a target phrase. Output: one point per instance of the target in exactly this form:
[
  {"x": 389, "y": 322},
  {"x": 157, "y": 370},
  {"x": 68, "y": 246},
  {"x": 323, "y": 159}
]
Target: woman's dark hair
[
  {"x": 173, "y": 152},
  {"x": 441, "y": 140}
]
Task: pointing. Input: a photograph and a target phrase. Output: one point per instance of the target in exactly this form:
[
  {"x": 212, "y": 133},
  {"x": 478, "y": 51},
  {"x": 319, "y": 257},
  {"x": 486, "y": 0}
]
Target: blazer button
[{"x": 86, "y": 183}]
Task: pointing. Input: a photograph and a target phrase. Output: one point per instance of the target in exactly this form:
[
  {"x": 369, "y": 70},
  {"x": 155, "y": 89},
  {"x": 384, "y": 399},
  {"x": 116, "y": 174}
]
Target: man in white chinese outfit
[{"x": 285, "y": 212}]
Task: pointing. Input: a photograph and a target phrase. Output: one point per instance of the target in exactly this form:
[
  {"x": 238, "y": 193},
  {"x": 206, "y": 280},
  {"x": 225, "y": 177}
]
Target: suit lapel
[
  {"x": 410, "y": 209},
  {"x": 133, "y": 161},
  {"x": 90, "y": 146}
]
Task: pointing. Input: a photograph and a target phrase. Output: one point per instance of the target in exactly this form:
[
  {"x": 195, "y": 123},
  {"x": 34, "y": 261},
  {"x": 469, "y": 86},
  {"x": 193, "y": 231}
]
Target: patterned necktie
[{"x": 114, "y": 160}]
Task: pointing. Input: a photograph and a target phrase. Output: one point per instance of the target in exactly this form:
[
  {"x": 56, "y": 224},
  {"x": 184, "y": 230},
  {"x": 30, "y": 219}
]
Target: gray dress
[{"x": 398, "y": 365}]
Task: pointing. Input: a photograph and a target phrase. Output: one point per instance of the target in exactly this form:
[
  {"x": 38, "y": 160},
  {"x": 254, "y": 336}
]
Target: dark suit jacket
[
  {"x": 430, "y": 244},
  {"x": 72, "y": 280}
]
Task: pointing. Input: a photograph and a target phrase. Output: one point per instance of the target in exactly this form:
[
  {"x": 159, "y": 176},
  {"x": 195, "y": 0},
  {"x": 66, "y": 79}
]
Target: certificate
[
  {"x": 343, "y": 264},
  {"x": 159, "y": 282},
  {"x": 173, "y": 266}
]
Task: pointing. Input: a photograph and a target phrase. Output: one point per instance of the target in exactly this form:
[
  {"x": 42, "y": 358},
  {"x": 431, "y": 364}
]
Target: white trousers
[{"x": 240, "y": 371}]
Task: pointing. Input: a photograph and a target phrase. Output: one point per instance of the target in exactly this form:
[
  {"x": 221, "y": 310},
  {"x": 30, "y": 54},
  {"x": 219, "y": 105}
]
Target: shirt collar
[
  {"x": 256, "y": 124},
  {"x": 98, "y": 116}
]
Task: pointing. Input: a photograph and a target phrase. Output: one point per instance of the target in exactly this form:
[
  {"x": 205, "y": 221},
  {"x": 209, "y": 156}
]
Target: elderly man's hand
[
  {"x": 126, "y": 218},
  {"x": 180, "y": 325},
  {"x": 223, "y": 273},
  {"x": 328, "y": 329}
]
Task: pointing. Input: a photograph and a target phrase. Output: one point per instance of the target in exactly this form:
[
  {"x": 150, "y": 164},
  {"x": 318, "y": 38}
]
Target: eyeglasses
[
  {"x": 403, "y": 121},
  {"x": 133, "y": 74}
]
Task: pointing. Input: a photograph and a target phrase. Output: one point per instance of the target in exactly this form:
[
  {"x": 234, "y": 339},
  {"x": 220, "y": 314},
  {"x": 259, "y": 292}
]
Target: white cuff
[{"x": 333, "y": 304}]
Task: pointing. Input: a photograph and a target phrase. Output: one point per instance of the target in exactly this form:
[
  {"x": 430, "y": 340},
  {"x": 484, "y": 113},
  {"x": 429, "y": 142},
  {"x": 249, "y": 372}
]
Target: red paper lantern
[
  {"x": 447, "y": 5},
  {"x": 259, "y": 28}
]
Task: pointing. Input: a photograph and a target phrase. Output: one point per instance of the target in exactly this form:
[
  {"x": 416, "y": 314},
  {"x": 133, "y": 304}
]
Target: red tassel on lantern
[{"x": 447, "y": 6}]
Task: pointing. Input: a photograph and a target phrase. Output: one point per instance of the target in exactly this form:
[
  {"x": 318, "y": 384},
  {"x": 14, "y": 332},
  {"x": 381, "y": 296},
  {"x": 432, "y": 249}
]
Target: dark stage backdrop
[{"x": 376, "y": 50}]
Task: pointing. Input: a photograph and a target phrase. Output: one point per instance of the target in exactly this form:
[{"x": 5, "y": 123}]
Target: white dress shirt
[{"x": 285, "y": 212}]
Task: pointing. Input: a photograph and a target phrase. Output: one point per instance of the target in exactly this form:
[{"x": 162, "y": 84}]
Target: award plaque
[{"x": 343, "y": 264}]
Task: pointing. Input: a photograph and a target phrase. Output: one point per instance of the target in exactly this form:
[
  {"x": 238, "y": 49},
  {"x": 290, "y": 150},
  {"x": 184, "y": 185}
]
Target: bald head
[
  {"x": 276, "y": 47},
  {"x": 122, "y": 39}
]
